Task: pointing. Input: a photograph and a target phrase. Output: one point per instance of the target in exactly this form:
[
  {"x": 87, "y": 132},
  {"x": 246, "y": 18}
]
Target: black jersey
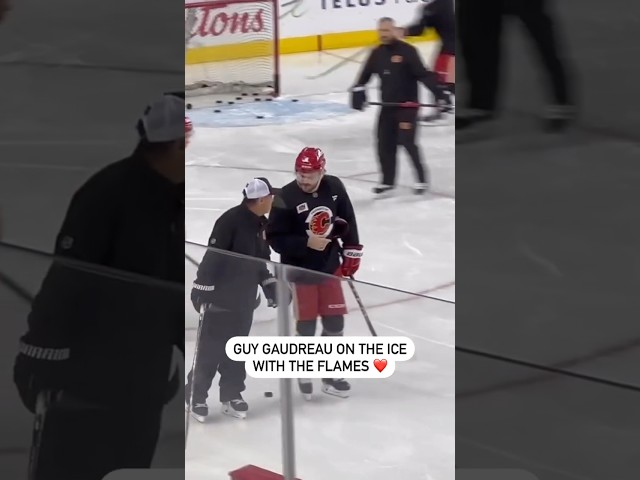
[
  {"x": 298, "y": 215},
  {"x": 235, "y": 279},
  {"x": 439, "y": 15},
  {"x": 400, "y": 68}
]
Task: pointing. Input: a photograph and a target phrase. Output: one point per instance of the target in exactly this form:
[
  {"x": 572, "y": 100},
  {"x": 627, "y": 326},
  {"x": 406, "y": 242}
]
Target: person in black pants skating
[
  {"x": 439, "y": 15},
  {"x": 225, "y": 291},
  {"x": 400, "y": 68},
  {"x": 480, "y": 27}
]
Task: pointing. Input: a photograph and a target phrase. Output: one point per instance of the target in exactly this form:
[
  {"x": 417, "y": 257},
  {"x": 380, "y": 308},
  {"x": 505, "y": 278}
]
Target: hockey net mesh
[{"x": 231, "y": 47}]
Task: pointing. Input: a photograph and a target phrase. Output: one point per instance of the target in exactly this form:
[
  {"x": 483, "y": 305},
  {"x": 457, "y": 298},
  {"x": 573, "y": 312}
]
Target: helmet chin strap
[{"x": 315, "y": 189}]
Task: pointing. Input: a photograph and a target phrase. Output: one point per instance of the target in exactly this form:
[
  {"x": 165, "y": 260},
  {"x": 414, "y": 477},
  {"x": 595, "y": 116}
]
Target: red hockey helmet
[
  {"x": 188, "y": 129},
  {"x": 310, "y": 159}
]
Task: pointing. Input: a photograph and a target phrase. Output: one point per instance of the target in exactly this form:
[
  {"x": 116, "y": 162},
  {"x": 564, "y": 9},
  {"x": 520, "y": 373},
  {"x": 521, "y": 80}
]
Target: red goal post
[{"x": 232, "y": 47}]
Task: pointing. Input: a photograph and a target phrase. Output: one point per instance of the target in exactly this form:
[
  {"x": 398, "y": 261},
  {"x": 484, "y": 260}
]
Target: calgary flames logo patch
[{"x": 319, "y": 222}]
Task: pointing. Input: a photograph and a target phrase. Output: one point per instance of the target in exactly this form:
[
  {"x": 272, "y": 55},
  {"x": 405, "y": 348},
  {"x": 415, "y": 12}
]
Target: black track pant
[
  {"x": 217, "y": 329},
  {"x": 480, "y": 30},
  {"x": 87, "y": 443},
  {"x": 397, "y": 126}
]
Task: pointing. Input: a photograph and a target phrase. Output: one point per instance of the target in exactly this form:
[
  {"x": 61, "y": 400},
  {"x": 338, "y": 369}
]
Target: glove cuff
[
  {"x": 353, "y": 251},
  {"x": 44, "y": 353},
  {"x": 203, "y": 288}
]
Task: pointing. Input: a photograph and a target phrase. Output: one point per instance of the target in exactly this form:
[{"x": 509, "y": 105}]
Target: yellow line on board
[{"x": 313, "y": 43}]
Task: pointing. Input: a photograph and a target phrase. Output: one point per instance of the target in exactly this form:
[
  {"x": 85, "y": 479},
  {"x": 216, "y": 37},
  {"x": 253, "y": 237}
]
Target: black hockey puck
[
  {"x": 216, "y": 111},
  {"x": 189, "y": 106},
  {"x": 268, "y": 394},
  {"x": 238, "y": 98},
  {"x": 269, "y": 99},
  {"x": 259, "y": 116},
  {"x": 231, "y": 103},
  {"x": 257, "y": 99},
  {"x": 218, "y": 101}
]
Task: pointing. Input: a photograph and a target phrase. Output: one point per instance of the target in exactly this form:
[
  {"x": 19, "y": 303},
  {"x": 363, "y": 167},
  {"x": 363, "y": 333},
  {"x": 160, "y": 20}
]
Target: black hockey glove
[
  {"x": 340, "y": 228},
  {"x": 358, "y": 97},
  {"x": 270, "y": 289},
  {"x": 202, "y": 296},
  {"x": 40, "y": 369},
  {"x": 443, "y": 98}
]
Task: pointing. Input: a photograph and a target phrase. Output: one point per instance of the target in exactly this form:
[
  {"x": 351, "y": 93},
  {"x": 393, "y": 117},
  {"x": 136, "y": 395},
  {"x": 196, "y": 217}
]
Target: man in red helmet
[
  {"x": 188, "y": 130},
  {"x": 313, "y": 226}
]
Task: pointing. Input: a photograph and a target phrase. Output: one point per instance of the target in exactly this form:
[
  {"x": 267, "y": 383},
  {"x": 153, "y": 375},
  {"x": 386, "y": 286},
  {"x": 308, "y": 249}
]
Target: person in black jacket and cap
[
  {"x": 97, "y": 357},
  {"x": 225, "y": 292}
]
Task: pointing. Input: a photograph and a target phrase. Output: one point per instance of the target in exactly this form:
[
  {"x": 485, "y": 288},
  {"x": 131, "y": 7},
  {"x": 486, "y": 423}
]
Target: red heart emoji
[{"x": 380, "y": 365}]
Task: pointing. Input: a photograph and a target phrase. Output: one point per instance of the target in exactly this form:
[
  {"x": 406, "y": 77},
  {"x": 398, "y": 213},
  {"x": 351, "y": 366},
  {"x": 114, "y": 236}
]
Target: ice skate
[
  {"x": 338, "y": 387},
  {"x": 383, "y": 191},
  {"x": 557, "y": 118},
  {"x": 306, "y": 388},
  {"x": 236, "y": 408},
  {"x": 420, "y": 188},
  {"x": 199, "y": 411}
]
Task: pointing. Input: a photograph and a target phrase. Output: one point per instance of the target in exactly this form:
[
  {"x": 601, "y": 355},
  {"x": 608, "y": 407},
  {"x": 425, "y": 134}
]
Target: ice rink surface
[
  {"x": 547, "y": 247},
  {"x": 402, "y": 427},
  {"x": 409, "y": 240}
]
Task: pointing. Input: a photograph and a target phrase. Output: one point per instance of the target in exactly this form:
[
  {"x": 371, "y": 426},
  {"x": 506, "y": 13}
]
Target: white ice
[{"x": 400, "y": 428}]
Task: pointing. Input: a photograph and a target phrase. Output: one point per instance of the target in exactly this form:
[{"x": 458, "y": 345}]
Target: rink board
[{"x": 311, "y": 43}]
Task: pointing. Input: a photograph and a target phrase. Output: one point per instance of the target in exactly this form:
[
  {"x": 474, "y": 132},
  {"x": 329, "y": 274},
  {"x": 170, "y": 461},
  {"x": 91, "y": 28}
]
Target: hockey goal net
[{"x": 231, "y": 47}]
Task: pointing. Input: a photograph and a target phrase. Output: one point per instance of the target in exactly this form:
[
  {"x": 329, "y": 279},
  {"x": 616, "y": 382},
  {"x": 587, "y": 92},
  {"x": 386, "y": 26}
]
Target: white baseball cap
[
  {"x": 258, "y": 188},
  {"x": 163, "y": 120}
]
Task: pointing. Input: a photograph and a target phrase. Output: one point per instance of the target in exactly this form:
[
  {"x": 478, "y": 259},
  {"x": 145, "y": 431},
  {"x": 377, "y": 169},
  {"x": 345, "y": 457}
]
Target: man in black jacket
[
  {"x": 225, "y": 291},
  {"x": 97, "y": 357},
  {"x": 400, "y": 68}
]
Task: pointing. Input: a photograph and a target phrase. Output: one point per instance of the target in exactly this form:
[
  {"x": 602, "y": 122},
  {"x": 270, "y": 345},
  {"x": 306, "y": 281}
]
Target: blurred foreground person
[
  {"x": 95, "y": 365},
  {"x": 439, "y": 15},
  {"x": 480, "y": 27}
]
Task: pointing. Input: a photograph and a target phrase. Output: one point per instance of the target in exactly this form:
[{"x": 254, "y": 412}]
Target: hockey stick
[
  {"x": 15, "y": 288},
  {"x": 361, "y": 305},
  {"x": 193, "y": 375},
  {"x": 403, "y": 104},
  {"x": 339, "y": 65},
  {"x": 191, "y": 259},
  {"x": 43, "y": 402},
  {"x": 430, "y": 120}
]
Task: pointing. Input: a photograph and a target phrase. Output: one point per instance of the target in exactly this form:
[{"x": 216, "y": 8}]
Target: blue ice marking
[{"x": 278, "y": 111}]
